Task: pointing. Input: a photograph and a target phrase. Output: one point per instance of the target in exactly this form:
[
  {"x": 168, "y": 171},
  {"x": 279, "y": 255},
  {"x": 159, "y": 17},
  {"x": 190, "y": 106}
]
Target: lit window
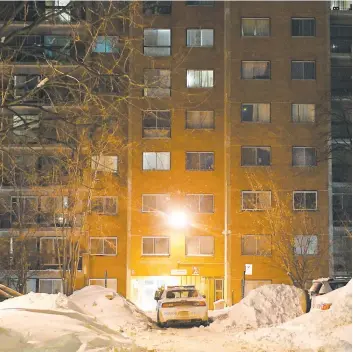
[
  {"x": 105, "y": 163},
  {"x": 303, "y": 156},
  {"x": 157, "y": 42},
  {"x": 255, "y": 27},
  {"x": 107, "y": 44},
  {"x": 304, "y": 200},
  {"x": 305, "y": 245},
  {"x": 156, "y": 161},
  {"x": 199, "y": 78},
  {"x": 255, "y": 70},
  {"x": 303, "y": 112},
  {"x": 255, "y": 113},
  {"x": 200, "y": 120},
  {"x": 199, "y": 38}
]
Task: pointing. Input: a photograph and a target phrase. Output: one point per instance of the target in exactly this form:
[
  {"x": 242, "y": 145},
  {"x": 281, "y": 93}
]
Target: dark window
[
  {"x": 199, "y": 3},
  {"x": 304, "y": 200},
  {"x": 255, "y": 156},
  {"x": 156, "y": 124},
  {"x": 157, "y": 8},
  {"x": 303, "y": 27},
  {"x": 203, "y": 161},
  {"x": 256, "y": 70},
  {"x": 303, "y": 70}
]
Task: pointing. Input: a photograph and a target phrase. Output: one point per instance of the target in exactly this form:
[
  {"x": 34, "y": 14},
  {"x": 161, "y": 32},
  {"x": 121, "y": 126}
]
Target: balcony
[
  {"x": 341, "y": 173},
  {"x": 341, "y": 46},
  {"x": 151, "y": 8}
]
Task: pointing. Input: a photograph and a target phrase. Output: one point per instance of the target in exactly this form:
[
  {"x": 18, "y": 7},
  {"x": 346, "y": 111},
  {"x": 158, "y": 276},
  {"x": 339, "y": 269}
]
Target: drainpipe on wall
[{"x": 226, "y": 147}]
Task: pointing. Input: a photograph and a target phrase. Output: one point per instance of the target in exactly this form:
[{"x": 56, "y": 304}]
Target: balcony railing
[{"x": 341, "y": 173}]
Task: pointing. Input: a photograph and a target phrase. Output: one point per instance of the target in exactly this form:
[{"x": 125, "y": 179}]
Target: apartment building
[
  {"x": 341, "y": 102},
  {"x": 224, "y": 120}
]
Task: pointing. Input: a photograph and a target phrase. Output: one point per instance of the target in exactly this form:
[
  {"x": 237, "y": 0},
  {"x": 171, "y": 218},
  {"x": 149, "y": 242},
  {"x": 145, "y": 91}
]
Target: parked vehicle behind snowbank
[{"x": 181, "y": 305}]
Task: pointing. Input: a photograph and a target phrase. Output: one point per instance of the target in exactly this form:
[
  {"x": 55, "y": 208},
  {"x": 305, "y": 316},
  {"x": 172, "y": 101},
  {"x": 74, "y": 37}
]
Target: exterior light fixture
[{"x": 178, "y": 219}]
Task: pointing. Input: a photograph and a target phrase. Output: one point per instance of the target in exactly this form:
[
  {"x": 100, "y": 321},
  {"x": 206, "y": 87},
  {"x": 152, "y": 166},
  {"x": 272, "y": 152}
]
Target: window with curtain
[
  {"x": 155, "y": 245},
  {"x": 155, "y": 202},
  {"x": 255, "y": 27},
  {"x": 255, "y": 112},
  {"x": 199, "y": 246},
  {"x": 199, "y": 78},
  {"x": 156, "y": 161},
  {"x": 104, "y": 205},
  {"x": 304, "y": 156},
  {"x": 303, "y": 70},
  {"x": 199, "y": 38},
  {"x": 256, "y": 245},
  {"x": 200, "y": 203},
  {"x": 200, "y": 120},
  {"x": 255, "y": 70},
  {"x": 157, "y": 42},
  {"x": 303, "y": 112}
]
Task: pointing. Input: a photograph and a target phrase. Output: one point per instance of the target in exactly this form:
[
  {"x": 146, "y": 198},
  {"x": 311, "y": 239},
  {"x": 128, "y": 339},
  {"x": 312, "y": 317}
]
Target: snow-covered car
[
  {"x": 181, "y": 305},
  {"x": 321, "y": 287}
]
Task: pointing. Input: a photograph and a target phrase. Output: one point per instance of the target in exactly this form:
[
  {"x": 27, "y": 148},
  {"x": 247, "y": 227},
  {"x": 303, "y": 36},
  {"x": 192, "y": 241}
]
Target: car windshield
[{"x": 182, "y": 293}]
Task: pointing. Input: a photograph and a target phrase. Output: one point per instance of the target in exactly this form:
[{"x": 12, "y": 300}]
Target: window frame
[
  {"x": 104, "y": 205},
  {"x": 202, "y": 4},
  {"x": 115, "y": 238},
  {"x": 96, "y": 168},
  {"x": 33, "y": 221},
  {"x": 253, "y": 121},
  {"x": 306, "y": 254},
  {"x": 156, "y": 156},
  {"x": 54, "y": 240},
  {"x": 256, "y": 192},
  {"x": 299, "y": 147},
  {"x": 305, "y": 192},
  {"x": 44, "y": 279},
  {"x": 303, "y": 19},
  {"x": 167, "y": 195},
  {"x": 200, "y": 46},
  {"x": 106, "y": 38},
  {"x": 144, "y": 113},
  {"x": 200, "y": 195},
  {"x": 147, "y": 87},
  {"x": 303, "y": 79},
  {"x": 255, "y": 36},
  {"x": 199, "y": 169},
  {"x": 154, "y": 254},
  {"x": 256, "y": 148},
  {"x": 257, "y": 254},
  {"x": 199, "y": 246},
  {"x": 157, "y": 46},
  {"x": 256, "y": 79},
  {"x": 201, "y": 70},
  {"x": 300, "y": 121},
  {"x": 201, "y": 128}
]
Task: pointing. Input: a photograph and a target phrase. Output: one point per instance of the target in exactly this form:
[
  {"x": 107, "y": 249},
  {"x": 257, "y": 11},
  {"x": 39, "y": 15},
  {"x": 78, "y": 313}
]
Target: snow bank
[
  {"x": 33, "y": 300},
  {"x": 110, "y": 308},
  {"x": 264, "y": 306}
]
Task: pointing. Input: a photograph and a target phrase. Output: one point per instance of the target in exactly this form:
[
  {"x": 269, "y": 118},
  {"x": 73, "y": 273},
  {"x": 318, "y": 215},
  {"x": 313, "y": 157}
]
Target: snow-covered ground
[{"x": 97, "y": 319}]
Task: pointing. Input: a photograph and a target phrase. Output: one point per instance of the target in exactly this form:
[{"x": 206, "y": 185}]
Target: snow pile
[
  {"x": 33, "y": 300},
  {"x": 110, "y": 308},
  {"x": 264, "y": 306}
]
